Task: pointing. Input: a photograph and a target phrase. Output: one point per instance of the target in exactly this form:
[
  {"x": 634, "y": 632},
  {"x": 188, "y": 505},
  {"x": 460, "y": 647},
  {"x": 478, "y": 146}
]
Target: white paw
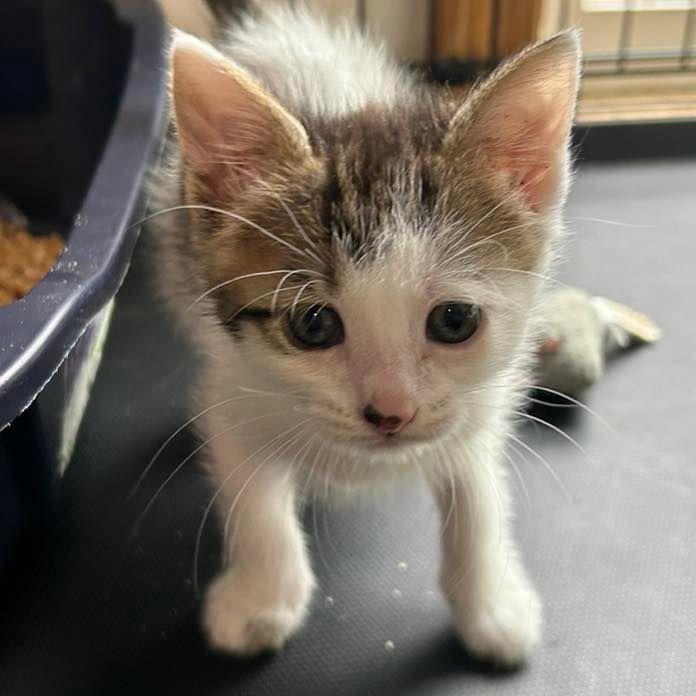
[
  {"x": 503, "y": 629},
  {"x": 248, "y": 616}
]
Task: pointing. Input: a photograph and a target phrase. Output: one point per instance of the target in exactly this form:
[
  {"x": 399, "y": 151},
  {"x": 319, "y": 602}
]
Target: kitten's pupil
[
  {"x": 453, "y": 322},
  {"x": 453, "y": 318},
  {"x": 313, "y": 323},
  {"x": 317, "y": 326}
]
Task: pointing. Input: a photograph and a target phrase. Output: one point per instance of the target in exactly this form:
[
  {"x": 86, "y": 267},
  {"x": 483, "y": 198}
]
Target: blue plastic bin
[{"x": 82, "y": 96}]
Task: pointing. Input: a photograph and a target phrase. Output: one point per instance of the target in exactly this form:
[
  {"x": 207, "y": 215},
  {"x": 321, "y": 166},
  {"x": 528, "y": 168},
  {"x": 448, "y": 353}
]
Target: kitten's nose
[{"x": 389, "y": 425}]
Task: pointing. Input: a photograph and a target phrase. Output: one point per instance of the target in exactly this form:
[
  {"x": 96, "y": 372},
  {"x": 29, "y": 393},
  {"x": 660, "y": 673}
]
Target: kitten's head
[{"x": 381, "y": 264}]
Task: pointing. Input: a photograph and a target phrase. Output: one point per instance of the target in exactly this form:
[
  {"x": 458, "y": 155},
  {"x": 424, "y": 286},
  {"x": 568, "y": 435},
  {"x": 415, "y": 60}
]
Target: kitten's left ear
[{"x": 520, "y": 119}]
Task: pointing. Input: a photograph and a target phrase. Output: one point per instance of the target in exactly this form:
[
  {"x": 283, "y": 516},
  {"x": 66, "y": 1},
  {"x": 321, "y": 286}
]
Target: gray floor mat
[{"x": 610, "y": 544}]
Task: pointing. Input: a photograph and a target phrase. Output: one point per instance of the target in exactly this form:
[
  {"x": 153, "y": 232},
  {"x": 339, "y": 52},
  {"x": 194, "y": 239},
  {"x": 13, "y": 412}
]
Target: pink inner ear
[
  {"x": 534, "y": 180},
  {"x": 228, "y": 128},
  {"x": 217, "y": 146},
  {"x": 519, "y": 121},
  {"x": 220, "y": 176},
  {"x": 526, "y": 148}
]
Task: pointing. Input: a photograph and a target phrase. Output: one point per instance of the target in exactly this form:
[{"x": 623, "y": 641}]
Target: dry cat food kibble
[{"x": 24, "y": 260}]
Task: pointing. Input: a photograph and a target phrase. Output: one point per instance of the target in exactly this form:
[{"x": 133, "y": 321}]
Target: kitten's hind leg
[
  {"x": 261, "y": 598},
  {"x": 496, "y": 610}
]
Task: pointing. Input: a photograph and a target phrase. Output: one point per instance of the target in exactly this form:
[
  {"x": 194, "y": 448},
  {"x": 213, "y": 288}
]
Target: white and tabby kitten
[{"x": 358, "y": 256}]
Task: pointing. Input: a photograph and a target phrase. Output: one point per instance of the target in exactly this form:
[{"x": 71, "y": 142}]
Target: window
[{"x": 640, "y": 57}]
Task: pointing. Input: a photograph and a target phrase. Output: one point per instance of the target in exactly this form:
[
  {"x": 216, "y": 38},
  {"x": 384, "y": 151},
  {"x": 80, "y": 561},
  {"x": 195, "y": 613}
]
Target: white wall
[{"x": 403, "y": 23}]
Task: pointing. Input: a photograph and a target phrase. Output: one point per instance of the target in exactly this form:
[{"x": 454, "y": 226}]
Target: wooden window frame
[{"x": 483, "y": 30}]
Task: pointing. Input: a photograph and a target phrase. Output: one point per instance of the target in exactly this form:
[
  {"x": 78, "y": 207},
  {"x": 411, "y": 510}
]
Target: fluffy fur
[{"x": 308, "y": 167}]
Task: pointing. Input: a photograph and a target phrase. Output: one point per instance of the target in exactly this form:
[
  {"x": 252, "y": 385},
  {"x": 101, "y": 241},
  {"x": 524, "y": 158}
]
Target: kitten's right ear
[
  {"x": 520, "y": 119},
  {"x": 230, "y": 130}
]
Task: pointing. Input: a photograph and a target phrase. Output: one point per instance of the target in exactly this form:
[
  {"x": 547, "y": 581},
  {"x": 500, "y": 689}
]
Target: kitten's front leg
[
  {"x": 261, "y": 599},
  {"x": 496, "y": 610}
]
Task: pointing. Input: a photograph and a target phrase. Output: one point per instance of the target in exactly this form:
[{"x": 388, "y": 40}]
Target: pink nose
[{"x": 391, "y": 424}]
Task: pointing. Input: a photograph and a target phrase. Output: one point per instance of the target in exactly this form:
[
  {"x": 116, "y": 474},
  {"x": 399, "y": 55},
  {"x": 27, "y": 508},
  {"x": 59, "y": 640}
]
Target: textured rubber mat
[{"x": 610, "y": 544}]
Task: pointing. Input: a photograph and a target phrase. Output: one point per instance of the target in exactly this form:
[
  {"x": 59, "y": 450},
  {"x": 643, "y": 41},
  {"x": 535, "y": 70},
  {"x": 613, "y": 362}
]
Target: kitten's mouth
[
  {"x": 390, "y": 441},
  {"x": 402, "y": 439},
  {"x": 372, "y": 442}
]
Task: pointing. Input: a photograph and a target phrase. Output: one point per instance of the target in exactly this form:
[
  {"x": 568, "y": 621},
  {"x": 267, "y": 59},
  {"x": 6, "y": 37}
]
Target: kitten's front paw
[
  {"x": 505, "y": 628},
  {"x": 246, "y": 617}
]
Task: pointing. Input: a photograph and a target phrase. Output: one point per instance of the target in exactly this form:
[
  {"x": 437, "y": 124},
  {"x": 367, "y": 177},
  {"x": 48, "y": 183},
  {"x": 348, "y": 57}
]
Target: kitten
[{"x": 359, "y": 255}]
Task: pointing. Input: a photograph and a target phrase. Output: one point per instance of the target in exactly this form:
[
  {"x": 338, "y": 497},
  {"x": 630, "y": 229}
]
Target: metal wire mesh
[{"x": 628, "y": 57}]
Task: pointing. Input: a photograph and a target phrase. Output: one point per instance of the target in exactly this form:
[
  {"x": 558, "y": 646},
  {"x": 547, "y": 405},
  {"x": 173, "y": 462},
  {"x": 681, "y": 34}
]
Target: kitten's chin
[{"x": 353, "y": 460}]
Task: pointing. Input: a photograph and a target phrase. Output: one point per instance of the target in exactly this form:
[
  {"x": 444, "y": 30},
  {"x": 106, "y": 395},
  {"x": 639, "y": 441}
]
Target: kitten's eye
[
  {"x": 316, "y": 327},
  {"x": 453, "y": 322}
]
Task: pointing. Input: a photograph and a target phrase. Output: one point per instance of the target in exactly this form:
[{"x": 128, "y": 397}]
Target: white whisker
[
  {"x": 558, "y": 430},
  {"x": 188, "y": 458},
  {"x": 545, "y": 463},
  {"x": 614, "y": 223},
  {"x": 189, "y": 422},
  {"x": 227, "y": 213},
  {"x": 246, "y": 484},
  {"x": 299, "y": 228},
  {"x": 232, "y": 317},
  {"x": 244, "y": 277},
  {"x": 298, "y": 296}
]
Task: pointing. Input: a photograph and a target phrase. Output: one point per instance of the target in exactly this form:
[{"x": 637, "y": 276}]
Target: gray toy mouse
[{"x": 578, "y": 332}]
